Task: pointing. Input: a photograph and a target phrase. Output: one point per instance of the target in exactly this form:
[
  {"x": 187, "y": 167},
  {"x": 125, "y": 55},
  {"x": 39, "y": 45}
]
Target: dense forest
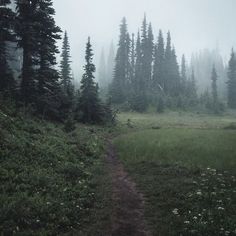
[
  {"x": 143, "y": 73},
  {"x": 141, "y": 144}
]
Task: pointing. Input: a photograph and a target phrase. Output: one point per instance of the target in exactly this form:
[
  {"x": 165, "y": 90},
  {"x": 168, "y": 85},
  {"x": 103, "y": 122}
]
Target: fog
[{"x": 194, "y": 24}]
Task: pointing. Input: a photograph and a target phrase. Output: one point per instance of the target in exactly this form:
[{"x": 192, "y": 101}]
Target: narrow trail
[{"x": 128, "y": 203}]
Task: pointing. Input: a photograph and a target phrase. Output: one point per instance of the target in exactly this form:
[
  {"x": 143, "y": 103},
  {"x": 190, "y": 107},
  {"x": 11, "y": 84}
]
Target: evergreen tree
[
  {"x": 150, "y": 54},
  {"x": 192, "y": 90},
  {"x": 39, "y": 83},
  {"x": 145, "y": 69},
  {"x": 65, "y": 66},
  {"x": 183, "y": 74},
  {"x": 131, "y": 76},
  {"x": 118, "y": 87},
  {"x": 132, "y": 61},
  {"x": 7, "y": 83},
  {"x": 159, "y": 63},
  {"x": 214, "y": 77},
  {"x": 174, "y": 75},
  {"x": 138, "y": 103},
  {"x": 110, "y": 64},
  {"x": 89, "y": 104},
  {"x": 27, "y": 40},
  {"x": 232, "y": 81},
  {"x": 102, "y": 71},
  {"x": 168, "y": 58},
  {"x": 48, "y": 88},
  {"x": 66, "y": 78}
]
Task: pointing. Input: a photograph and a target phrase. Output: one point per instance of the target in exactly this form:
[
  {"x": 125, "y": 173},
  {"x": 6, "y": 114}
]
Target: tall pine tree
[
  {"x": 66, "y": 80},
  {"x": 89, "y": 104},
  {"x": 26, "y": 30},
  {"x": 159, "y": 65},
  {"x": 183, "y": 75},
  {"x": 7, "y": 83},
  {"x": 65, "y": 66},
  {"x": 168, "y": 57},
  {"x": 232, "y": 81},
  {"x": 110, "y": 64},
  {"x": 118, "y": 87},
  {"x": 214, "y": 77},
  {"x": 102, "y": 76},
  {"x": 138, "y": 93},
  {"x": 48, "y": 88}
]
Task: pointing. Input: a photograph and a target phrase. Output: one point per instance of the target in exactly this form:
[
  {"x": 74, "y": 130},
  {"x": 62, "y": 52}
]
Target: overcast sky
[{"x": 194, "y": 24}]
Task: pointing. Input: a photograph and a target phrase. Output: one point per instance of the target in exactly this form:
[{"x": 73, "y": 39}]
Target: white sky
[{"x": 194, "y": 24}]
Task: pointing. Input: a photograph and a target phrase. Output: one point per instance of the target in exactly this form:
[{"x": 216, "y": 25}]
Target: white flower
[
  {"x": 199, "y": 193},
  {"x": 186, "y": 222},
  {"x": 175, "y": 211},
  {"x": 195, "y": 217},
  {"x": 221, "y": 208}
]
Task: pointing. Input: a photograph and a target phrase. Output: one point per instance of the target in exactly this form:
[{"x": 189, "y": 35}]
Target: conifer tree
[
  {"x": 132, "y": 60},
  {"x": 144, "y": 76},
  {"x": 232, "y": 81},
  {"x": 110, "y": 64},
  {"x": 159, "y": 64},
  {"x": 138, "y": 97},
  {"x": 168, "y": 57},
  {"x": 150, "y": 52},
  {"x": 192, "y": 90},
  {"x": 102, "y": 71},
  {"x": 66, "y": 81},
  {"x": 48, "y": 88},
  {"x": 118, "y": 87},
  {"x": 7, "y": 83},
  {"x": 183, "y": 74},
  {"x": 174, "y": 75},
  {"x": 214, "y": 86},
  {"x": 89, "y": 104},
  {"x": 27, "y": 40},
  {"x": 65, "y": 66}
]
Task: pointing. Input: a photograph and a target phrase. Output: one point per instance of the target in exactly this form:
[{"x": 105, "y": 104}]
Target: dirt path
[{"x": 128, "y": 203}]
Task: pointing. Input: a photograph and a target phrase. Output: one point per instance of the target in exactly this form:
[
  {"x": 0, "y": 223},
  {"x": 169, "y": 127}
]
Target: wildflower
[
  {"x": 199, "y": 193},
  {"x": 62, "y": 204},
  {"x": 37, "y": 220},
  {"x": 175, "y": 211},
  {"x": 195, "y": 217},
  {"x": 186, "y": 222},
  {"x": 221, "y": 208}
]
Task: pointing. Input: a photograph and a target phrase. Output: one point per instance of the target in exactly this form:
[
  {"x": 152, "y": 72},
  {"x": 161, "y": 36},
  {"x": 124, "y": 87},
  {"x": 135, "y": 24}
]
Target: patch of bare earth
[{"x": 128, "y": 203}]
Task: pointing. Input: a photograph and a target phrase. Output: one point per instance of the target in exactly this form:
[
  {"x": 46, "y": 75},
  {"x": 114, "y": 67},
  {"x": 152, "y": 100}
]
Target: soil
[{"x": 128, "y": 203}]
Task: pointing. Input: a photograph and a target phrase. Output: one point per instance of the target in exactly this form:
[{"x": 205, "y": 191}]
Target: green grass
[
  {"x": 51, "y": 182},
  {"x": 186, "y": 147},
  {"x": 185, "y": 165},
  {"x": 176, "y": 119}
]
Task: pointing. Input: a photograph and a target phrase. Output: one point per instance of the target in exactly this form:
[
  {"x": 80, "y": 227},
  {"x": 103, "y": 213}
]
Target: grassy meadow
[{"x": 185, "y": 164}]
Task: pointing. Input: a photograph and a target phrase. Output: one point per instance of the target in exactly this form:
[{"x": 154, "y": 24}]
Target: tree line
[
  {"x": 147, "y": 73},
  {"x": 47, "y": 90}
]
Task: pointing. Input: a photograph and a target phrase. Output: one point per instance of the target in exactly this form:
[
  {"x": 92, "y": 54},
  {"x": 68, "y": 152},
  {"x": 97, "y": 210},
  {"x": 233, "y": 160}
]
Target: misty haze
[{"x": 118, "y": 117}]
